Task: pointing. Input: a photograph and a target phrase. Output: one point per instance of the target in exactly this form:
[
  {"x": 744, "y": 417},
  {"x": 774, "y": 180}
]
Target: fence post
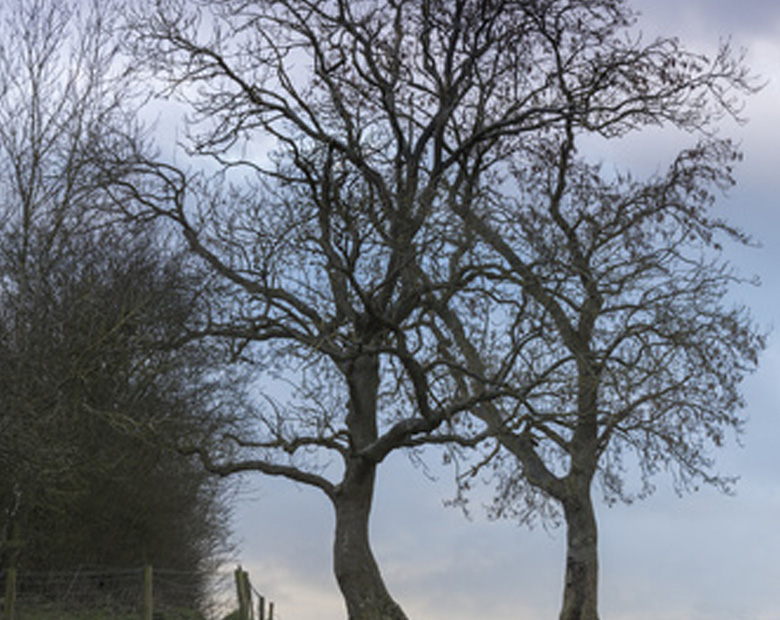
[
  {"x": 148, "y": 598},
  {"x": 9, "y": 605},
  {"x": 244, "y": 592},
  {"x": 14, "y": 544},
  {"x": 248, "y": 593}
]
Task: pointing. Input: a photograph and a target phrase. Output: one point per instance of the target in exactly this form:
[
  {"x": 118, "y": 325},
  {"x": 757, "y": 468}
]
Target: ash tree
[
  {"x": 326, "y": 200},
  {"x": 611, "y": 295},
  {"x": 406, "y": 247},
  {"x": 628, "y": 354}
]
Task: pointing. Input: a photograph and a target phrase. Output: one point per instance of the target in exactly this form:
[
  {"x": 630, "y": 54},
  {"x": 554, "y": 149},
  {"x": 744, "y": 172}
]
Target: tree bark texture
[
  {"x": 356, "y": 569},
  {"x": 357, "y": 573},
  {"x": 580, "y": 595}
]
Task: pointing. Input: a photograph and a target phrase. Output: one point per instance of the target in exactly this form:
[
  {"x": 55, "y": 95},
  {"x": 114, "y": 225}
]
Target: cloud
[
  {"x": 705, "y": 19},
  {"x": 696, "y": 557}
]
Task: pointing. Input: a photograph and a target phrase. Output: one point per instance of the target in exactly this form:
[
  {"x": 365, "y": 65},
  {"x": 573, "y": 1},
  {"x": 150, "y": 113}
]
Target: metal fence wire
[{"x": 105, "y": 593}]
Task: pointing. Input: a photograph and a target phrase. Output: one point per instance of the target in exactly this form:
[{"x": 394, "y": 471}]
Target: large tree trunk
[
  {"x": 580, "y": 595},
  {"x": 356, "y": 569}
]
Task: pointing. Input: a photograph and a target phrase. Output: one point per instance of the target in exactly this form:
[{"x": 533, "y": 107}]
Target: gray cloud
[{"x": 745, "y": 19}]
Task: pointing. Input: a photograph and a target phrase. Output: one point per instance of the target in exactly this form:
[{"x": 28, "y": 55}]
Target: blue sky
[{"x": 703, "y": 556}]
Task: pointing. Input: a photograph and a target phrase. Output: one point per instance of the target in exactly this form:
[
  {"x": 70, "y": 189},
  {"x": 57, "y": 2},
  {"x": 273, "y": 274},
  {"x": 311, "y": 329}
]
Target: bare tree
[
  {"x": 397, "y": 183},
  {"x": 628, "y": 357},
  {"x": 317, "y": 253},
  {"x": 610, "y": 293}
]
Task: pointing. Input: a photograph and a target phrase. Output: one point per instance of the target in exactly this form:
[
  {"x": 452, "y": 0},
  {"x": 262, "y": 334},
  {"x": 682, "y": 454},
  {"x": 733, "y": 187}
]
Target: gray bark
[
  {"x": 580, "y": 596},
  {"x": 356, "y": 569},
  {"x": 354, "y": 564}
]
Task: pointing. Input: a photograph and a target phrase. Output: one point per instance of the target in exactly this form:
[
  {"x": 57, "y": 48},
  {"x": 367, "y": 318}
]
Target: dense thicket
[
  {"x": 90, "y": 311},
  {"x": 86, "y": 362}
]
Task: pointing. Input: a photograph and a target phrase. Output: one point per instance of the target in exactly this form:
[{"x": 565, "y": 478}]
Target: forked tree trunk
[
  {"x": 580, "y": 595},
  {"x": 356, "y": 569}
]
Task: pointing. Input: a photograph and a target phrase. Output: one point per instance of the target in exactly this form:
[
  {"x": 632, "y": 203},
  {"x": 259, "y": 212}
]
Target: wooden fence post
[
  {"x": 14, "y": 544},
  {"x": 148, "y": 598},
  {"x": 248, "y": 592},
  {"x": 9, "y": 604},
  {"x": 244, "y": 593}
]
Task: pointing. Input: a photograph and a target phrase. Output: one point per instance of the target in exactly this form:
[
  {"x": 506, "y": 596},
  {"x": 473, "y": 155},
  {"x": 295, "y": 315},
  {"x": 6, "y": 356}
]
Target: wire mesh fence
[{"x": 110, "y": 593}]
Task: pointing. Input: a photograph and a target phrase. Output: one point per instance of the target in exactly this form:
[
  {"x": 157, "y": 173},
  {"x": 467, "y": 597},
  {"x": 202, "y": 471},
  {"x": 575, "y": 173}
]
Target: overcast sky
[{"x": 704, "y": 556}]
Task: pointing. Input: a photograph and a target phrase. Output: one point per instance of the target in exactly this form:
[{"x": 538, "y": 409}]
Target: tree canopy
[{"x": 407, "y": 244}]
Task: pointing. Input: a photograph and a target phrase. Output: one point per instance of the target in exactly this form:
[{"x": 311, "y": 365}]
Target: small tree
[
  {"x": 610, "y": 293},
  {"x": 97, "y": 365},
  {"x": 627, "y": 357}
]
